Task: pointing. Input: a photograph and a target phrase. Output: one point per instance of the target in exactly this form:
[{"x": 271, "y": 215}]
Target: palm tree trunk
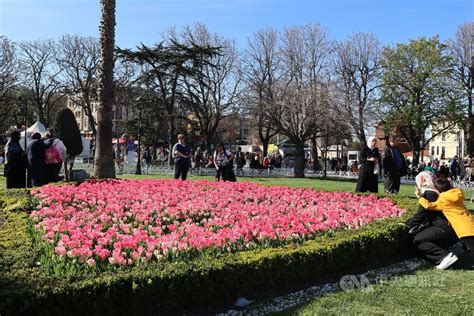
[{"x": 104, "y": 162}]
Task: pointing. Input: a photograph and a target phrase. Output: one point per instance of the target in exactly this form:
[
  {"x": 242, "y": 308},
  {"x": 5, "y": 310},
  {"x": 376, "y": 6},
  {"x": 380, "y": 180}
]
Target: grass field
[{"x": 426, "y": 292}]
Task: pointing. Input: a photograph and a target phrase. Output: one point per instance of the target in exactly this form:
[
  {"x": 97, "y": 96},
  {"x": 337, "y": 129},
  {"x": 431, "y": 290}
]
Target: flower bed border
[{"x": 176, "y": 287}]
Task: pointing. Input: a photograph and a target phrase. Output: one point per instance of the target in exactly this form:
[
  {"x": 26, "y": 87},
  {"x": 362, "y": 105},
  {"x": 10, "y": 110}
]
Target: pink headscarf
[{"x": 425, "y": 180}]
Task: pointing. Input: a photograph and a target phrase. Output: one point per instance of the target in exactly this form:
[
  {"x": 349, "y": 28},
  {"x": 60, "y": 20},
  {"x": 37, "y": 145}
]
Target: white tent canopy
[{"x": 35, "y": 128}]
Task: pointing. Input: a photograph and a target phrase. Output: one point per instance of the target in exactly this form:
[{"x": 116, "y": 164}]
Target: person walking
[
  {"x": 182, "y": 158},
  {"x": 119, "y": 153},
  {"x": 394, "y": 166},
  {"x": 15, "y": 162},
  {"x": 240, "y": 162},
  {"x": 369, "y": 170},
  {"x": 147, "y": 158},
  {"x": 55, "y": 154},
  {"x": 453, "y": 168},
  {"x": 198, "y": 160}
]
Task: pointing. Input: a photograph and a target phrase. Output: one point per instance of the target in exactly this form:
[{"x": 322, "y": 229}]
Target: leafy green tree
[
  {"x": 416, "y": 91},
  {"x": 68, "y": 132},
  {"x": 165, "y": 64}
]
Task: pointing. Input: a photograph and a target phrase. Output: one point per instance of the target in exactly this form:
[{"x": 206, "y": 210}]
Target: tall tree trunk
[
  {"x": 416, "y": 157},
  {"x": 314, "y": 154},
  {"x": 208, "y": 143},
  {"x": 265, "y": 143},
  {"x": 172, "y": 139},
  {"x": 104, "y": 162},
  {"x": 470, "y": 141},
  {"x": 299, "y": 161}
]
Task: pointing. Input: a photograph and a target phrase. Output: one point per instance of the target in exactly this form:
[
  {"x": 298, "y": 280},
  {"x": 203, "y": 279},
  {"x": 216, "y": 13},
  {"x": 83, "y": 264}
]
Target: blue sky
[{"x": 143, "y": 20}]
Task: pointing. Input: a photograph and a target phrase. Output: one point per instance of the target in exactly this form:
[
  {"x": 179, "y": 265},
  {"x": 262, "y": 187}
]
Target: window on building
[
  {"x": 443, "y": 152},
  {"x": 443, "y": 137},
  {"x": 246, "y": 131},
  {"x": 432, "y": 150},
  {"x": 437, "y": 150}
]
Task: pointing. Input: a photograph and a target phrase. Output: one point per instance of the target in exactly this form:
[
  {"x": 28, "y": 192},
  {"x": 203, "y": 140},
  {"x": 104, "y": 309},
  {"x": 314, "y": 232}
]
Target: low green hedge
[{"x": 175, "y": 287}]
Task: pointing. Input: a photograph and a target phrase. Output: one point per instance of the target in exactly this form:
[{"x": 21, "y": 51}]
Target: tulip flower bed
[
  {"x": 120, "y": 222},
  {"x": 211, "y": 276}
]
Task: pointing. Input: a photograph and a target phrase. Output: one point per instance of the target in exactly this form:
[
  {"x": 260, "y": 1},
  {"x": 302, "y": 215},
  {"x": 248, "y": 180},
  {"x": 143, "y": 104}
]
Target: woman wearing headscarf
[
  {"x": 369, "y": 168},
  {"x": 431, "y": 231},
  {"x": 15, "y": 162}
]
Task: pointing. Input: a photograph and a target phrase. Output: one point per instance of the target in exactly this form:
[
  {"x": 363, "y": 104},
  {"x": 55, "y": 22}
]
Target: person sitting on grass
[
  {"x": 451, "y": 202},
  {"x": 431, "y": 232}
]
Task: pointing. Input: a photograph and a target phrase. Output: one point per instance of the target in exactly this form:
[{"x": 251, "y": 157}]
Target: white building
[
  {"x": 447, "y": 144},
  {"x": 121, "y": 115}
]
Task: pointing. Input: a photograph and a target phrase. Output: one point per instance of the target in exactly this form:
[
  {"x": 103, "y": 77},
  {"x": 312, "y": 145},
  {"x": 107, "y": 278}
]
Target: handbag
[{"x": 52, "y": 156}]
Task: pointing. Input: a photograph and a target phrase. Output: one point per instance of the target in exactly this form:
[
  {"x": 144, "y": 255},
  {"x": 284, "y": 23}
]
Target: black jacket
[
  {"x": 426, "y": 217},
  {"x": 388, "y": 161}
]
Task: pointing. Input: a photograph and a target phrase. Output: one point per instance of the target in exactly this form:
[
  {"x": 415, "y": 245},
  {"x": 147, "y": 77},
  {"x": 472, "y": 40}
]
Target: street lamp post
[
  {"x": 25, "y": 129},
  {"x": 25, "y": 108},
  {"x": 138, "y": 169},
  {"x": 326, "y": 153}
]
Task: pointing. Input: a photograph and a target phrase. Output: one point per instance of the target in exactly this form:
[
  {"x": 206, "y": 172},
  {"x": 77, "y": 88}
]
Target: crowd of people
[
  {"x": 40, "y": 164},
  {"x": 391, "y": 165},
  {"x": 442, "y": 218}
]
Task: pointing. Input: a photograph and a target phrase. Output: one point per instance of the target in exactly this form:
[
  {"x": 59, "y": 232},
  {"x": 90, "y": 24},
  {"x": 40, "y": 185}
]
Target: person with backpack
[
  {"x": 54, "y": 155},
  {"x": 222, "y": 158}
]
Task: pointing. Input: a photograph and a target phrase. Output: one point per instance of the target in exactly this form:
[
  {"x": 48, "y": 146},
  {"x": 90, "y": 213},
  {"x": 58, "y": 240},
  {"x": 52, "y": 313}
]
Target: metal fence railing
[{"x": 261, "y": 173}]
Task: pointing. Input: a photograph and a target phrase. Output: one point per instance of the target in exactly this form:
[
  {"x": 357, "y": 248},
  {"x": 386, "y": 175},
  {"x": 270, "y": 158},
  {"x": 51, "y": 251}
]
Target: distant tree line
[{"x": 296, "y": 82}]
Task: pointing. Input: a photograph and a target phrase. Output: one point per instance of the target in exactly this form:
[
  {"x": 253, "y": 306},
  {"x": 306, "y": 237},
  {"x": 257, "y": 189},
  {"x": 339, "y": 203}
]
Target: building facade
[
  {"x": 448, "y": 144},
  {"x": 121, "y": 115}
]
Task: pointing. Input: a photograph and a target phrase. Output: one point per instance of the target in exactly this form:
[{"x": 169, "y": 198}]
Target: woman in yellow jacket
[{"x": 451, "y": 203}]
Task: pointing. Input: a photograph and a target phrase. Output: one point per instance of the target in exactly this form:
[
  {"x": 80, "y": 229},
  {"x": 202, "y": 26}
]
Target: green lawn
[{"x": 426, "y": 292}]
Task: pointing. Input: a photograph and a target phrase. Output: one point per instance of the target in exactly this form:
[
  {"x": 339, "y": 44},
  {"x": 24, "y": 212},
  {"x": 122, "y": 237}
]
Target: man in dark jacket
[
  {"x": 394, "y": 166},
  {"x": 37, "y": 171}
]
